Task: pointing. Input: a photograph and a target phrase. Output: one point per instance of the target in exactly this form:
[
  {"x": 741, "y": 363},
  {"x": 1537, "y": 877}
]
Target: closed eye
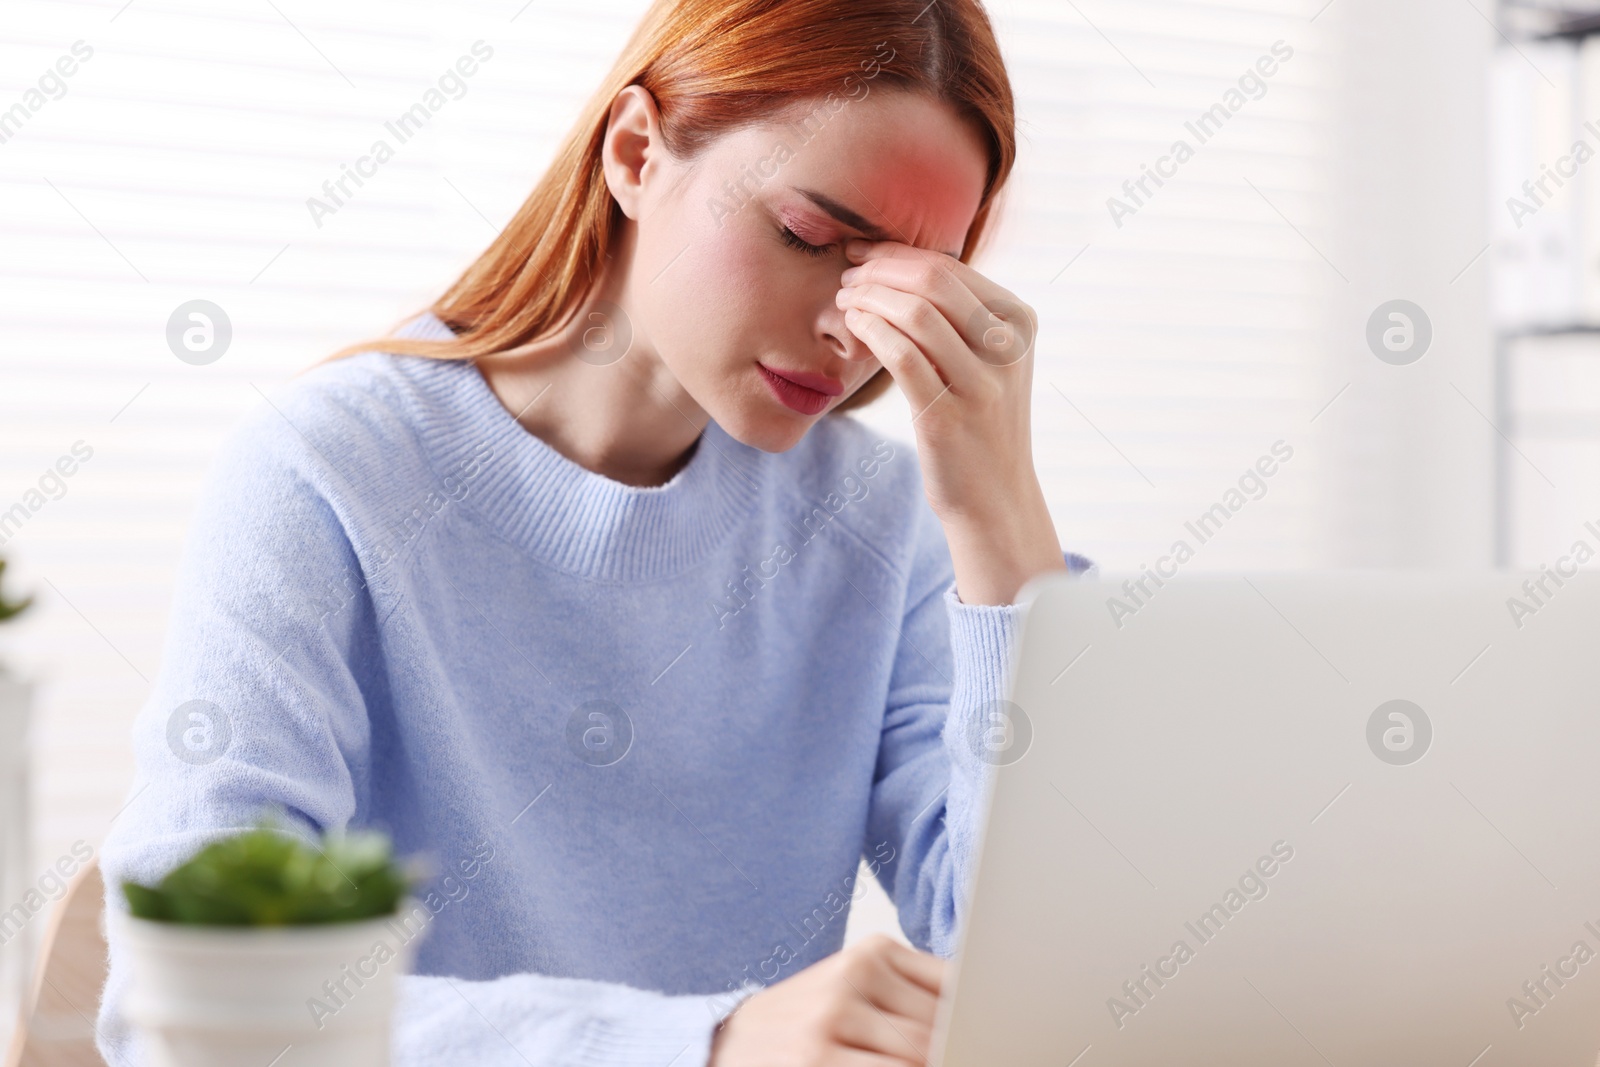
[{"x": 793, "y": 240}]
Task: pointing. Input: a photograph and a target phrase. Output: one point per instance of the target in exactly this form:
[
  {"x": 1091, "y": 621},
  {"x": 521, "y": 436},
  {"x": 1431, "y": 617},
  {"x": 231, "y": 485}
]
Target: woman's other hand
[{"x": 869, "y": 1005}]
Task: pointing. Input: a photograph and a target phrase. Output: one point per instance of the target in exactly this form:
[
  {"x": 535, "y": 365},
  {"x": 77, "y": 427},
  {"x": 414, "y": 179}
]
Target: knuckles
[
  {"x": 923, "y": 315},
  {"x": 929, "y": 272}
]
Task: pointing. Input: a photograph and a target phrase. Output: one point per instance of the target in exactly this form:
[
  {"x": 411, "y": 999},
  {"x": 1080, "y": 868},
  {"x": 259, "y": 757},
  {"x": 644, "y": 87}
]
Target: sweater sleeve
[
  {"x": 952, "y": 667},
  {"x": 262, "y": 700}
]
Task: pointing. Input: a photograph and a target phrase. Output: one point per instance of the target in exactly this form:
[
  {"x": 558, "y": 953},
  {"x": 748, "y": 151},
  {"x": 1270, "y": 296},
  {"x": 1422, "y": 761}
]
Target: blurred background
[{"x": 1361, "y": 231}]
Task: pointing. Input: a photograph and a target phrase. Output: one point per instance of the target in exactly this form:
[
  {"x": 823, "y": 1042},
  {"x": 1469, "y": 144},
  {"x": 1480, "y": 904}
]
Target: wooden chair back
[{"x": 56, "y": 1027}]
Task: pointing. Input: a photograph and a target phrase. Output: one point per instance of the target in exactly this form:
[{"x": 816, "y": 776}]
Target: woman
[{"x": 582, "y": 585}]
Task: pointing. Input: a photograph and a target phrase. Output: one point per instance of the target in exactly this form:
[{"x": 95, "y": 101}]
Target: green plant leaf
[
  {"x": 269, "y": 876},
  {"x": 145, "y": 902},
  {"x": 10, "y": 609}
]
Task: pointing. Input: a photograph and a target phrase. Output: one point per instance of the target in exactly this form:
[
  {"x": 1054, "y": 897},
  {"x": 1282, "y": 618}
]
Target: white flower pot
[
  {"x": 16, "y": 861},
  {"x": 300, "y": 996}
]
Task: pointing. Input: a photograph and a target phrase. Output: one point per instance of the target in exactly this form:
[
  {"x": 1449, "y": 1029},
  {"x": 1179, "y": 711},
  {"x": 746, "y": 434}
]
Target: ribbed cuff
[
  {"x": 983, "y": 640},
  {"x": 669, "y": 1032},
  {"x": 983, "y": 646}
]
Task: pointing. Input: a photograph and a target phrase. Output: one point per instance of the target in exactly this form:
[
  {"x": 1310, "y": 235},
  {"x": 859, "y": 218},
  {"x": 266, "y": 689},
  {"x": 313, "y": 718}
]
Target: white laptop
[{"x": 1333, "y": 820}]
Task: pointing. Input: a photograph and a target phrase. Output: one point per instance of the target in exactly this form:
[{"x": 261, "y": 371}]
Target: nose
[{"x": 838, "y": 337}]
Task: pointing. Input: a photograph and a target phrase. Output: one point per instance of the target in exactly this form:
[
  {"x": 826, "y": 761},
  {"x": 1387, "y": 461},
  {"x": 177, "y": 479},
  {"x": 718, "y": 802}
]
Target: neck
[{"x": 625, "y": 418}]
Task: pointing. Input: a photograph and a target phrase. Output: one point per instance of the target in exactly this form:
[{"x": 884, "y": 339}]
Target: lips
[
  {"x": 820, "y": 383},
  {"x": 799, "y": 397}
]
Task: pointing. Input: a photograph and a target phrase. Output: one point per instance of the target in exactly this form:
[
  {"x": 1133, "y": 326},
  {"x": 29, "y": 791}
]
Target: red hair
[{"x": 714, "y": 66}]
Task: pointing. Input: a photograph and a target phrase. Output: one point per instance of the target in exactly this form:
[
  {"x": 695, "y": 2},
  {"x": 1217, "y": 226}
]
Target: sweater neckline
[{"x": 559, "y": 511}]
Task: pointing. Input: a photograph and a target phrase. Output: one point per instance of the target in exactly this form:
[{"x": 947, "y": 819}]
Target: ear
[{"x": 632, "y": 154}]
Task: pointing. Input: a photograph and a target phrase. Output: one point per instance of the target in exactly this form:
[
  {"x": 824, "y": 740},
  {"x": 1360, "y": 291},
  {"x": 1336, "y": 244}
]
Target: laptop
[{"x": 1321, "y": 819}]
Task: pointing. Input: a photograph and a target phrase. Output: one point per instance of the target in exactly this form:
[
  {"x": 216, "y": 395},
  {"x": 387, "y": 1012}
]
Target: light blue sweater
[{"x": 646, "y": 735}]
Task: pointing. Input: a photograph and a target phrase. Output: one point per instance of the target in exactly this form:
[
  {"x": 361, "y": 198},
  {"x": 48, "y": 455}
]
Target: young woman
[{"x": 583, "y": 586}]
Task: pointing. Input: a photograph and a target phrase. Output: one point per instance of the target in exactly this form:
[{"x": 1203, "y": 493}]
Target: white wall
[{"x": 1409, "y": 460}]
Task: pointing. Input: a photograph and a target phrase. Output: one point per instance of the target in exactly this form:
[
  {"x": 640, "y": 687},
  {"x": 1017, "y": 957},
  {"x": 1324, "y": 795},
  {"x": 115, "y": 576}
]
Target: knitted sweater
[{"x": 646, "y": 736}]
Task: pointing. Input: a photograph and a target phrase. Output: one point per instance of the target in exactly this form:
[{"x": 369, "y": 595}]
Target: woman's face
[{"x": 722, "y": 290}]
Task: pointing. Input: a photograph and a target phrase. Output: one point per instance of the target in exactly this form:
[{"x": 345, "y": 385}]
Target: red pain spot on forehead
[{"x": 919, "y": 208}]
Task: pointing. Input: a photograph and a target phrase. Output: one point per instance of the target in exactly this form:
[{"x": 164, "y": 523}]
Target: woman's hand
[
  {"x": 961, "y": 349},
  {"x": 869, "y": 1005}
]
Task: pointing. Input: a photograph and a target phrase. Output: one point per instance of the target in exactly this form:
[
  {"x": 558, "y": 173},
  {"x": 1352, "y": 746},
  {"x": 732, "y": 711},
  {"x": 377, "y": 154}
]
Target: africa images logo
[{"x": 1252, "y": 885}]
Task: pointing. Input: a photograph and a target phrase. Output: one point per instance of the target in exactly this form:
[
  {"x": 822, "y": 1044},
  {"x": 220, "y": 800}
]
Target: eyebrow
[{"x": 852, "y": 219}]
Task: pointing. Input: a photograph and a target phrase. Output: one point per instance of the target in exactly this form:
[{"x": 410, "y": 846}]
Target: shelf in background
[
  {"x": 1575, "y": 329},
  {"x": 1536, "y": 21}
]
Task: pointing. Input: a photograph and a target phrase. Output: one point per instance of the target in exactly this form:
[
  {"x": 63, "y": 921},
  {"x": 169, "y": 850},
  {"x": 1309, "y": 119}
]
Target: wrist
[{"x": 994, "y": 559}]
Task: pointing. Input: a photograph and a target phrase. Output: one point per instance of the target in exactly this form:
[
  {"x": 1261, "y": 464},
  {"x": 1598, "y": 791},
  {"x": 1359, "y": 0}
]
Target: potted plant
[{"x": 264, "y": 948}]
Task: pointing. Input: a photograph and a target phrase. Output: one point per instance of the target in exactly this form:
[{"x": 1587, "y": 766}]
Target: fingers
[
  {"x": 871, "y": 1005},
  {"x": 895, "y": 993},
  {"x": 855, "y": 1057},
  {"x": 926, "y": 970},
  {"x": 868, "y": 1027},
  {"x": 925, "y": 324},
  {"x": 962, "y": 293},
  {"x": 930, "y": 277},
  {"x": 898, "y": 989},
  {"x": 953, "y": 313},
  {"x": 900, "y": 980},
  {"x": 894, "y": 255},
  {"x": 917, "y": 376}
]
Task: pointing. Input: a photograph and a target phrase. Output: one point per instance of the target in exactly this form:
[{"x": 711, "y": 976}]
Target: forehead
[{"x": 904, "y": 163}]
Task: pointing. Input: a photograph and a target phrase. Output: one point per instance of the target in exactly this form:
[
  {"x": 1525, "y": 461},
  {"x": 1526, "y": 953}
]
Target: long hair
[{"x": 715, "y": 66}]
